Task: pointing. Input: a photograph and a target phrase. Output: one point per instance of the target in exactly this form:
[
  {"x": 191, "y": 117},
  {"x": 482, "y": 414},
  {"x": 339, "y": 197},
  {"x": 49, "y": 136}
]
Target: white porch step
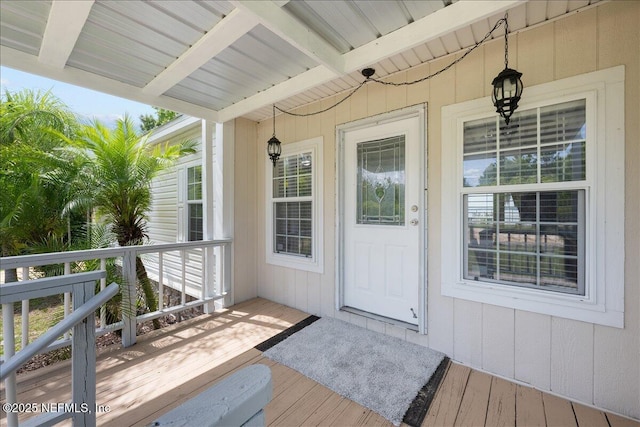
[{"x": 238, "y": 400}]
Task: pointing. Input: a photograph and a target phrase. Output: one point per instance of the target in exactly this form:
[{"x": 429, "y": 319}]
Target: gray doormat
[{"x": 382, "y": 373}]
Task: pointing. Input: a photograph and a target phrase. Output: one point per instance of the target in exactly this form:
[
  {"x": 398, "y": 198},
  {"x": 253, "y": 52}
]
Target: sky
[{"x": 84, "y": 102}]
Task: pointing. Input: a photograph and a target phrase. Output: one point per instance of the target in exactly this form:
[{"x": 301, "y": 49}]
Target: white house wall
[
  {"x": 167, "y": 219},
  {"x": 593, "y": 364},
  {"x": 247, "y": 217}
]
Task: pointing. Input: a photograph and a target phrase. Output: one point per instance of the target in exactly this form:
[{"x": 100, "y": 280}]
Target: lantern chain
[
  {"x": 371, "y": 79},
  {"x": 274, "y": 120},
  {"x": 506, "y": 40},
  {"x": 471, "y": 49}
]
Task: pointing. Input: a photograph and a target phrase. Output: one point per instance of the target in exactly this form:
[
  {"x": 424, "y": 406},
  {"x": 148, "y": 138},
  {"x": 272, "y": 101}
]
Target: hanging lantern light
[
  {"x": 507, "y": 86},
  {"x": 273, "y": 145}
]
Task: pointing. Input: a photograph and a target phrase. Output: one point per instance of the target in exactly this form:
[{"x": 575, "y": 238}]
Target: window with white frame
[
  {"x": 194, "y": 203},
  {"x": 523, "y": 225},
  {"x": 294, "y": 206},
  {"x": 539, "y": 203}
]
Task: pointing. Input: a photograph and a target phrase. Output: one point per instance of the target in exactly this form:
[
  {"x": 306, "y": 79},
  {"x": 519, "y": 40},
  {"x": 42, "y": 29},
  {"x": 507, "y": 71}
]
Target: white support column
[
  {"x": 224, "y": 201},
  {"x": 209, "y": 182}
]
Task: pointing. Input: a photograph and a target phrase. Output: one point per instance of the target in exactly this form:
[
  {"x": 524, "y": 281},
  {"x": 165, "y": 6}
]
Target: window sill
[
  {"x": 575, "y": 307},
  {"x": 296, "y": 263}
]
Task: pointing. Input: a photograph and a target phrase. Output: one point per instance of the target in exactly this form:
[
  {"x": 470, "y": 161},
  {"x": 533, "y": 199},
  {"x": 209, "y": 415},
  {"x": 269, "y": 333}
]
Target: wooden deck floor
[{"x": 170, "y": 366}]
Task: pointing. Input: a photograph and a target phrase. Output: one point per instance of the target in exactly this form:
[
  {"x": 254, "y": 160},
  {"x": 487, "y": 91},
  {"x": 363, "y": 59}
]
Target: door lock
[{"x": 414, "y": 222}]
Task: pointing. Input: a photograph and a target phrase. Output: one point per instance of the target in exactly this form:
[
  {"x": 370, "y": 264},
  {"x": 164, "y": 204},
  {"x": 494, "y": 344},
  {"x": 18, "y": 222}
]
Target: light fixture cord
[{"x": 371, "y": 79}]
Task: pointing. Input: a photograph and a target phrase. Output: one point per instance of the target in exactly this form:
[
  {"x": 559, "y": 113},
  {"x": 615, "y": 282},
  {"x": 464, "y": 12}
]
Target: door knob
[{"x": 414, "y": 222}]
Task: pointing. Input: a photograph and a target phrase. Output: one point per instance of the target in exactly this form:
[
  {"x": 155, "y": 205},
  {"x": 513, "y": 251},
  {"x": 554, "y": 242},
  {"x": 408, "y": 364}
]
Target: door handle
[{"x": 414, "y": 222}]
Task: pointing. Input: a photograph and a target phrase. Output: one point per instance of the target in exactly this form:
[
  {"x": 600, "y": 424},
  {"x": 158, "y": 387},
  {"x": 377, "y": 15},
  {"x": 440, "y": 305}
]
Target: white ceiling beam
[
  {"x": 18, "y": 60},
  {"x": 295, "y": 85},
  {"x": 65, "y": 22},
  {"x": 221, "y": 36},
  {"x": 294, "y": 32},
  {"x": 433, "y": 26},
  {"x": 437, "y": 24}
]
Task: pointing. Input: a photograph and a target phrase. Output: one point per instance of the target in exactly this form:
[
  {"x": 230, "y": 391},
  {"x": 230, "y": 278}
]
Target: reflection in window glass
[
  {"x": 194, "y": 203},
  {"x": 530, "y": 239},
  {"x": 540, "y": 145},
  {"x": 292, "y": 179},
  {"x": 293, "y": 228},
  {"x": 519, "y": 166},
  {"x": 195, "y": 222}
]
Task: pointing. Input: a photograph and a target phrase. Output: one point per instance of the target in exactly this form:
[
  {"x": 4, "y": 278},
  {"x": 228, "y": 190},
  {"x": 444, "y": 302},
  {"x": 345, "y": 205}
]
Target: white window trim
[
  {"x": 188, "y": 202},
  {"x": 315, "y": 263},
  {"x": 603, "y": 302},
  {"x": 182, "y": 171}
]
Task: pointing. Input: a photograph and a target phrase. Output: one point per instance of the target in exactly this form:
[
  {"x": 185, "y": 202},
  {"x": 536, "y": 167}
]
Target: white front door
[{"x": 382, "y": 219}]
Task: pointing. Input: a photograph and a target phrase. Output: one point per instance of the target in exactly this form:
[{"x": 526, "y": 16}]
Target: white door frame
[{"x": 414, "y": 111}]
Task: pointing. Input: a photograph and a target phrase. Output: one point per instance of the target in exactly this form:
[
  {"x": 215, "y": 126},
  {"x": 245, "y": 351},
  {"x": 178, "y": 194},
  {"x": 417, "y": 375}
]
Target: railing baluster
[
  {"x": 183, "y": 299},
  {"x": 103, "y": 284},
  {"x": 25, "y": 313},
  {"x": 67, "y": 297},
  {"x": 9, "y": 350},
  {"x": 160, "y": 280},
  {"x": 203, "y": 268},
  {"x": 226, "y": 274},
  {"x": 217, "y": 268}
]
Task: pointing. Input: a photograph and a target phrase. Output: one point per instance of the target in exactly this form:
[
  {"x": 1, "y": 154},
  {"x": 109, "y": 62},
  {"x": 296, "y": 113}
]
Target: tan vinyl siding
[{"x": 597, "y": 365}]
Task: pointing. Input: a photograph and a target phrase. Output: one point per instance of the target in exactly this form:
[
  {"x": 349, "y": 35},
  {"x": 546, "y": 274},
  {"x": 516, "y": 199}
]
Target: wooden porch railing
[
  {"x": 214, "y": 259},
  {"x": 83, "y": 352}
]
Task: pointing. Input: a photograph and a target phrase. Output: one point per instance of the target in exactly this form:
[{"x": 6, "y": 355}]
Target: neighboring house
[
  {"x": 409, "y": 210},
  {"x": 177, "y": 207}
]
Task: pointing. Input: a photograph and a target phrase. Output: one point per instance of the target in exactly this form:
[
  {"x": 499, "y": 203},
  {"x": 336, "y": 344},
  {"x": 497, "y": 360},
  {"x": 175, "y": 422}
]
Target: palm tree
[
  {"x": 119, "y": 165},
  {"x": 30, "y": 205}
]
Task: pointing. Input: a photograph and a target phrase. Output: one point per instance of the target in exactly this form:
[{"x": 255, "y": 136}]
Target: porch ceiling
[{"x": 233, "y": 58}]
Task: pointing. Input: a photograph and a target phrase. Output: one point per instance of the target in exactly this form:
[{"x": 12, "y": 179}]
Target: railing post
[
  {"x": 129, "y": 309},
  {"x": 9, "y": 350},
  {"x": 227, "y": 271},
  {"x": 83, "y": 359},
  {"x": 209, "y": 279}
]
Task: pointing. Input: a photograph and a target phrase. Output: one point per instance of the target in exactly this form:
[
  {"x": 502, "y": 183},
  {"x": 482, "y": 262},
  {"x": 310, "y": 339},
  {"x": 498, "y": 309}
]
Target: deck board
[
  {"x": 589, "y": 417},
  {"x": 618, "y": 421},
  {"x": 170, "y": 366},
  {"x": 473, "y": 408},
  {"x": 529, "y": 407},
  {"x": 501, "y": 410},
  {"x": 558, "y": 412},
  {"x": 446, "y": 403}
]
